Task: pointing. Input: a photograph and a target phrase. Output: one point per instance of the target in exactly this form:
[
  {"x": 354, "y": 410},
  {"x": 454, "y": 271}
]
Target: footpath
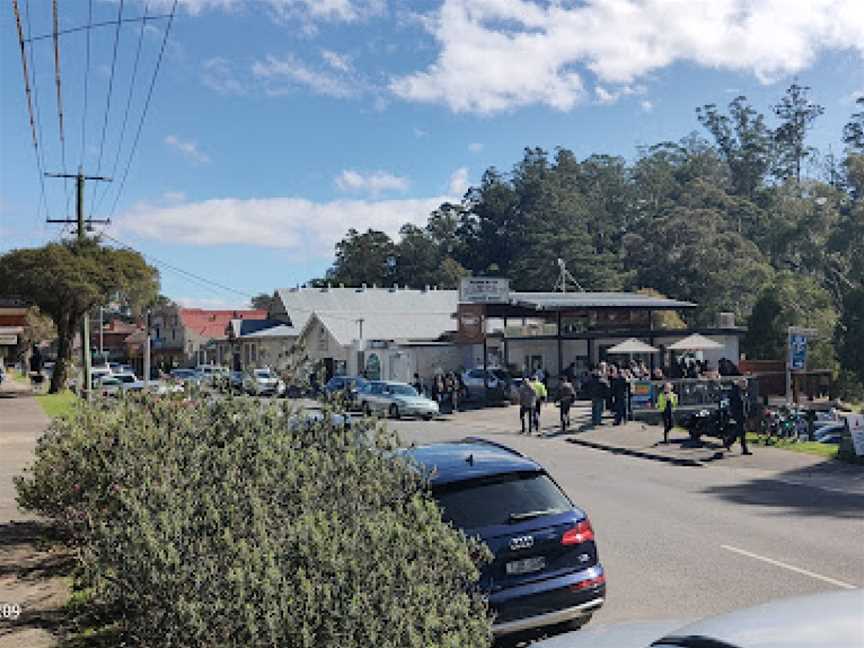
[
  {"x": 33, "y": 575},
  {"x": 645, "y": 441}
]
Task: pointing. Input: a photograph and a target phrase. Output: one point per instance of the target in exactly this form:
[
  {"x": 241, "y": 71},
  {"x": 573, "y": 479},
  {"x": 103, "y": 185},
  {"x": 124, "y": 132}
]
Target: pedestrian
[
  {"x": 597, "y": 388},
  {"x": 417, "y": 384},
  {"x": 738, "y": 410},
  {"x": 527, "y": 404},
  {"x": 453, "y": 385},
  {"x": 667, "y": 402},
  {"x": 439, "y": 389},
  {"x": 566, "y": 396},
  {"x": 619, "y": 388},
  {"x": 542, "y": 394}
]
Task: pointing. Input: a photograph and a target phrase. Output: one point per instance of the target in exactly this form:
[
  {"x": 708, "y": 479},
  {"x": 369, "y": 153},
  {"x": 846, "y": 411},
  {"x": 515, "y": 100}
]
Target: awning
[
  {"x": 695, "y": 342},
  {"x": 631, "y": 345}
]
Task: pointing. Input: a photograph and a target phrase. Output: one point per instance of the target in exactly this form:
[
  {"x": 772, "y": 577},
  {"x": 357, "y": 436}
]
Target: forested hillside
[{"x": 741, "y": 216}]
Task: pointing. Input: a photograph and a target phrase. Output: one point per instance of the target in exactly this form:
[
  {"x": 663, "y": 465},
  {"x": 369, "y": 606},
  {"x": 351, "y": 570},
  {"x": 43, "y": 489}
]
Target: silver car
[
  {"x": 395, "y": 399},
  {"x": 827, "y": 620},
  {"x": 263, "y": 382}
]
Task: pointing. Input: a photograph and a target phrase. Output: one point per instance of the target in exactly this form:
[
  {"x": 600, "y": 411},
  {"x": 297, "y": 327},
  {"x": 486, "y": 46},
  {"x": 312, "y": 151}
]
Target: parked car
[
  {"x": 235, "y": 381},
  {"x": 545, "y": 570},
  {"x": 186, "y": 376},
  {"x": 209, "y": 373},
  {"x": 395, "y": 399},
  {"x": 342, "y": 385},
  {"x": 832, "y": 428},
  {"x": 496, "y": 380},
  {"x": 785, "y": 623},
  {"x": 263, "y": 382}
]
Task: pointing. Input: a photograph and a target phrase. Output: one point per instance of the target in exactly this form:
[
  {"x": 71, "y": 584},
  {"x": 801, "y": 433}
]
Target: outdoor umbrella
[
  {"x": 695, "y": 342},
  {"x": 631, "y": 346}
]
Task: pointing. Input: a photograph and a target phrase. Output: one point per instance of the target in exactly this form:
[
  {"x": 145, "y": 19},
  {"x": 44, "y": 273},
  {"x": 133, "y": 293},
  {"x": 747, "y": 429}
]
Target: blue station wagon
[{"x": 545, "y": 571}]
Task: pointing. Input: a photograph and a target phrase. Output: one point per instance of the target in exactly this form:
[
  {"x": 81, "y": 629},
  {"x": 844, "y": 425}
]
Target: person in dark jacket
[
  {"x": 738, "y": 410},
  {"x": 566, "y": 396},
  {"x": 598, "y": 388},
  {"x": 619, "y": 393}
]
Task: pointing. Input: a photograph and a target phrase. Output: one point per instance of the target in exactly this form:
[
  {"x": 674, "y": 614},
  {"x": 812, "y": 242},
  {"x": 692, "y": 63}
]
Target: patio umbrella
[
  {"x": 631, "y": 346},
  {"x": 695, "y": 342}
]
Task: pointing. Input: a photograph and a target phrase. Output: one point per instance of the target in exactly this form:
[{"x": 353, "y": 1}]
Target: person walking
[
  {"x": 738, "y": 410},
  {"x": 597, "y": 388},
  {"x": 542, "y": 395},
  {"x": 667, "y": 402},
  {"x": 527, "y": 404},
  {"x": 619, "y": 393},
  {"x": 566, "y": 396},
  {"x": 417, "y": 384},
  {"x": 455, "y": 392}
]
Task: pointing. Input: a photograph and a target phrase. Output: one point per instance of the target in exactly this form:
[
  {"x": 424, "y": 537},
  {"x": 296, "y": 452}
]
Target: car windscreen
[
  {"x": 262, "y": 373},
  {"x": 500, "y": 499},
  {"x": 402, "y": 390}
]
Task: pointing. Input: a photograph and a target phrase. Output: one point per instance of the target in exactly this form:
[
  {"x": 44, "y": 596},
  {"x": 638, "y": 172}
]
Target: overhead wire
[
  {"x": 30, "y": 101},
  {"x": 86, "y": 84},
  {"x": 104, "y": 23},
  {"x": 146, "y": 108},
  {"x": 94, "y": 204},
  {"x": 110, "y": 86},
  {"x": 56, "y": 29}
]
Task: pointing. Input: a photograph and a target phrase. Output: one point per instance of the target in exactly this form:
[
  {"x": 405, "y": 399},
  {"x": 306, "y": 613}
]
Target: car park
[
  {"x": 395, "y": 399},
  {"x": 784, "y": 623},
  {"x": 545, "y": 569}
]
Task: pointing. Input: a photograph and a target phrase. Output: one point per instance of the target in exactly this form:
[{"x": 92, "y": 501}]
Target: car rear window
[{"x": 495, "y": 500}]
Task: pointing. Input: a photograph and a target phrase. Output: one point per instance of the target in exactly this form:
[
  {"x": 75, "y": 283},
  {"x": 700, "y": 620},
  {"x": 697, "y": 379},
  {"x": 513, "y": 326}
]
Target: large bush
[{"x": 231, "y": 524}]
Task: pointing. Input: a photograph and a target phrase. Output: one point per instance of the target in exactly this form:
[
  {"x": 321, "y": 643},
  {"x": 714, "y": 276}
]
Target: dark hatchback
[{"x": 545, "y": 570}]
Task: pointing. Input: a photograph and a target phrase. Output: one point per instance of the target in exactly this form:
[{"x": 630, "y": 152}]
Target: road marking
[{"x": 798, "y": 570}]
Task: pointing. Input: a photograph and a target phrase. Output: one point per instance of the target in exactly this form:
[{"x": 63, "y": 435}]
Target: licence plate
[{"x": 525, "y": 566}]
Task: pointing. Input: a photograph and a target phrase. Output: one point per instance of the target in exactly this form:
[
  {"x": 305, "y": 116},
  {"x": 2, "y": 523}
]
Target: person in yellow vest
[
  {"x": 667, "y": 402},
  {"x": 542, "y": 395}
]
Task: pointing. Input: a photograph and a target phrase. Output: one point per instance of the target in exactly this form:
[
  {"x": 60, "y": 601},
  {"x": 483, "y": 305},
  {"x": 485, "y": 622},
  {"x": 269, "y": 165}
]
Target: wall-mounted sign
[
  {"x": 472, "y": 323},
  {"x": 8, "y": 340},
  {"x": 484, "y": 290}
]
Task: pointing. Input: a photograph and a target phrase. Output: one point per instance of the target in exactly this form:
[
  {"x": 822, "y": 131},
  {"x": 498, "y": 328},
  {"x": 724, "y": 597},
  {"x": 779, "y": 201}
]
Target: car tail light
[
  {"x": 580, "y": 533},
  {"x": 588, "y": 583}
]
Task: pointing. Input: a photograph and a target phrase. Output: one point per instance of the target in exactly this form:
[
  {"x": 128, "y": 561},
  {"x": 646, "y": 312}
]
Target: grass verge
[
  {"x": 827, "y": 450},
  {"x": 59, "y": 404}
]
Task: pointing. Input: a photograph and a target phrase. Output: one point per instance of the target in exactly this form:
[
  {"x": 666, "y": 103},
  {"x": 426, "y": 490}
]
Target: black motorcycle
[{"x": 717, "y": 423}]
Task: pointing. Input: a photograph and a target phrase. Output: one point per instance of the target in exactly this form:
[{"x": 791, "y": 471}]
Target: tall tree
[
  {"x": 262, "y": 301},
  {"x": 743, "y": 140},
  {"x": 368, "y": 257},
  {"x": 66, "y": 280},
  {"x": 850, "y": 333},
  {"x": 853, "y": 132},
  {"x": 797, "y": 115}
]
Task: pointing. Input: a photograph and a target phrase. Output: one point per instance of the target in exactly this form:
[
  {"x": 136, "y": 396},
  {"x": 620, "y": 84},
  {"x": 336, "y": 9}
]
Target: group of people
[
  {"x": 446, "y": 389},
  {"x": 608, "y": 387},
  {"x": 532, "y": 395}
]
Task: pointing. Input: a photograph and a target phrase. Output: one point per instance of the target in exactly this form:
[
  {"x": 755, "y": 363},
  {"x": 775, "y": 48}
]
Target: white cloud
[
  {"x": 218, "y": 74},
  {"x": 373, "y": 183},
  {"x": 189, "y": 149},
  {"x": 277, "y": 72},
  {"x": 174, "y": 197},
  {"x": 475, "y": 147},
  {"x": 337, "y": 61},
  {"x": 647, "y": 105},
  {"x": 502, "y": 54},
  {"x": 329, "y": 10},
  {"x": 306, "y": 228},
  {"x": 419, "y": 133},
  {"x": 459, "y": 182}
]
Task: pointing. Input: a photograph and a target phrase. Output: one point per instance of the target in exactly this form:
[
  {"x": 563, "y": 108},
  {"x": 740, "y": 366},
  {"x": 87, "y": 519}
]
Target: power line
[
  {"x": 146, "y": 108},
  {"x": 93, "y": 203},
  {"x": 33, "y": 119},
  {"x": 110, "y": 86},
  {"x": 86, "y": 84},
  {"x": 104, "y": 23}
]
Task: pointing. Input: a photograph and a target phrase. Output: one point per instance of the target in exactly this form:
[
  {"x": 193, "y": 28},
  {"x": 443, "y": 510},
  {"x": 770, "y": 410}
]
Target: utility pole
[
  {"x": 147, "y": 352},
  {"x": 82, "y": 224}
]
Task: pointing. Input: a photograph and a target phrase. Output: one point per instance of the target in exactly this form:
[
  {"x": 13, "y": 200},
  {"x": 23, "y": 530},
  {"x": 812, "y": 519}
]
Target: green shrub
[{"x": 229, "y": 524}]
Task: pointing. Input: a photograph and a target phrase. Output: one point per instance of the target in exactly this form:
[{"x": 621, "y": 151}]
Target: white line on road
[{"x": 798, "y": 570}]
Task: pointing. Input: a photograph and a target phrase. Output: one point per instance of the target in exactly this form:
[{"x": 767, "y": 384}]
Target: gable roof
[
  {"x": 384, "y": 326},
  {"x": 366, "y": 303},
  {"x": 213, "y": 323}
]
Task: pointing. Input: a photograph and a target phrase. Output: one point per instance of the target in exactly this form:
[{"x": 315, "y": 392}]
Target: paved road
[{"x": 685, "y": 542}]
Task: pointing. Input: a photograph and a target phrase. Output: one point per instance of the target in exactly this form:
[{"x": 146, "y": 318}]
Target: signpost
[{"x": 796, "y": 357}]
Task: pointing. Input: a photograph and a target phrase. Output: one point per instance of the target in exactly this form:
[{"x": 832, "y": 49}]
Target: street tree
[
  {"x": 850, "y": 332},
  {"x": 66, "y": 280},
  {"x": 797, "y": 115}
]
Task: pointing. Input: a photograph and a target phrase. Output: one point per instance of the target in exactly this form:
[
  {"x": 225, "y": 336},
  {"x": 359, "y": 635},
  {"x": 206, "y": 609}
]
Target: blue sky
[{"x": 277, "y": 124}]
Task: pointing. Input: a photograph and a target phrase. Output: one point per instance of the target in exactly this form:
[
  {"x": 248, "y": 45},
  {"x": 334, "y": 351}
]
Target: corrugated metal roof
[
  {"x": 387, "y": 326},
  {"x": 558, "y": 301},
  {"x": 274, "y": 330}
]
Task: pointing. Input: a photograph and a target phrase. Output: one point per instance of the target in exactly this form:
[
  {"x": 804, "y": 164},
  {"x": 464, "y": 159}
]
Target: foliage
[
  {"x": 796, "y": 115},
  {"x": 228, "y": 524},
  {"x": 66, "y": 280},
  {"x": 668, "y": 320},
  {"x": 850, "y": 333},
  {"x": 853, "y": 131},
  {"x": 262, "y": 301}
]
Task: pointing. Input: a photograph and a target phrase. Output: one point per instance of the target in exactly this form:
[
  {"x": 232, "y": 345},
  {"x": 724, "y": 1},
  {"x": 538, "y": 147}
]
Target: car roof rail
[{"x": 474, "y": 439}]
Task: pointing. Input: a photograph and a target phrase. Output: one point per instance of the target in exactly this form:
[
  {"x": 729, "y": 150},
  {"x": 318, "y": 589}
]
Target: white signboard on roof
[{"x": 484, "y": 290}]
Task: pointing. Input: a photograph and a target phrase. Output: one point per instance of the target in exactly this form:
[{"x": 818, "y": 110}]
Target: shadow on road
[{"x": 799, "y": 491}]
